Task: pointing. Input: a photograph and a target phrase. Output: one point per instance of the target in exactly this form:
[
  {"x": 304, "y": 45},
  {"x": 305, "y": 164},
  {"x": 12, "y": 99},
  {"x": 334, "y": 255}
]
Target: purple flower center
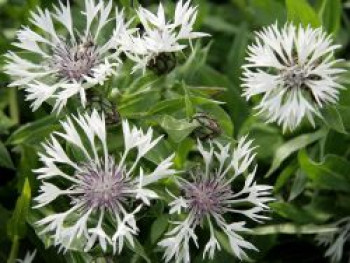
[
  {"x": 75, "y": 61},
  {"x": 207, "y": 197},
  {"x": 103, "y": 190}
]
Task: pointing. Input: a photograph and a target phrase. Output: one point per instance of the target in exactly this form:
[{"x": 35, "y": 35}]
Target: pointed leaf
[
  {"x": 290, "y": 147},
  {"x": 301, "y": 12},
  {"x": 17, "y": 224}
]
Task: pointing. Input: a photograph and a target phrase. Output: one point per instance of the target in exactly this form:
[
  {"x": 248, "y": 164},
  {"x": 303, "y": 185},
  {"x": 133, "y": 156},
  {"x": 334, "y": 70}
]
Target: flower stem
[
  {"x": 14, "y": 112},
  {"x": 14, "y": 250}
]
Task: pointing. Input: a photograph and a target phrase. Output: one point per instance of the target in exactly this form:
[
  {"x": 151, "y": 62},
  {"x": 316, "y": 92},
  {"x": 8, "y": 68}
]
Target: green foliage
[
  {"x": 177, "y": 130},
  {"x": 290, "y": 147},
  {"x": 5, "y": 158},
  {"x": 16, "y": 225},
  {"x": 301, "y": 12},
  {"x": 331, "y": 174},
  {"x": 34, "y": 132},
  {"x": 159, "y": 227},
  {"x": 309, "y": 169},
  {"x": 329, "y": 13}
]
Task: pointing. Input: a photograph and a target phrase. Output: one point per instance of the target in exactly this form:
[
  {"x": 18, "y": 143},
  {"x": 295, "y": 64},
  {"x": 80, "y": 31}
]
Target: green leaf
[
  {"x": 332, "y": 173},
  {"x": 5, "y": 216},
  {"x": 301, "y": 12},
  {"x": 330, "y": 15},
  {"x": 167, "y": 106},
  {"x": 17, "y": 224},
  {"x": 33, "y": 3},
  {"x": 219, "y": 24},
  {"x": 224, "y": 242},
  {"x": 298, "y": 186},
  {"x": 158, "y": 227},
  {"x": 126, "y": 3},
  {"x": 266, "y": 137},
  {"x": 344, "y": 112},
  {"x": 138, "y": 249},
  {"x": 34, "y": 132},
  {"x": 5, "y": 158},
  {"x": 264, "y": 8},
  {"x": 292, "y": 212},
  {"x": 336, "y": 143},
  {"x": 177, "y": 129},
  {"x": 5, "y": 122},
  {"x": 292, "y": 229},
  {"x": 194, "y": 62},
  {"x": 284, "y": 176},
  {"x": 140, "y": 84},
  {"x": 188, "y": 104},
  {"x": 333, "y": 119},
  {"x": 28, "y": 162},
  {"x": 182, "y": 152},
  {"x": 137, "y": 104},
  {"x": 201, "y": 100},
  {"x": 77, "y": 257},
  {"x": 290, "y": 147},
  {"x": 237, "y": 53},
  {"x": 161, "y": 151},
  {"x": 208, "y": 90}
]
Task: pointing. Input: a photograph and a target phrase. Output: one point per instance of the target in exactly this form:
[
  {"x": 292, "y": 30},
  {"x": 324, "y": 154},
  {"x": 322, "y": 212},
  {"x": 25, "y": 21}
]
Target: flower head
[
  {"x": 294, "y": 70},
  {"x": 97, "y": 185},
  {"x": 154, "y": 44},
  {"x": 208, "y": 197},
  {"x": 67, "y": 63},
  {"x": 335, "y": 241}
]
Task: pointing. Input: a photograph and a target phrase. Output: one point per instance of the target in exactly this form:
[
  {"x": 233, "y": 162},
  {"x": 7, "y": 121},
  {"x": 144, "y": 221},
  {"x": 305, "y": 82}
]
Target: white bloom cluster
[
  {"x": 96, "y": 184},
  {"x": 208, "y": 197},
  {"x": 294, "y": 70},
  {"x": 61, "y": 65},
  {"x": 54, "y": 66},
  {"x": 159, "y": 37},
  {"x": 104, "y": 192},
  {"x": 336, "y": 241}
]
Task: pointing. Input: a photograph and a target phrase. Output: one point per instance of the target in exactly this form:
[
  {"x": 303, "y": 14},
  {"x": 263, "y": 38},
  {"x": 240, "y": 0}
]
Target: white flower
[
  {"x": 210, "y": 195},
  {"x": 159, "y": 38},
  {"x": 294, "y": 71},
  {"x": 48, "y": 193},
  {"x": 29, "y": 257},
  {"x": 98, "y": 185},
  {"x": 335, "y": 241},
  {"x": 67, "y": 63},
  {"x": 211, "y": 247}
]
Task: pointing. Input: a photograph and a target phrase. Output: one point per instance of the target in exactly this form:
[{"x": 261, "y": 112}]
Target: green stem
[
  {"x": 14, "y": 112},
  {"x": 14, "y": 250}
]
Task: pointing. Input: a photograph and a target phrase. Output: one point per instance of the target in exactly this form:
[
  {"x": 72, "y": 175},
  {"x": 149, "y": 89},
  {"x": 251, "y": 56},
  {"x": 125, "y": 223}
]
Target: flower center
[
  {"x": 101, "y": 189},
  {"x": 74, "y": 61},
  {"x": 294, "y": 77},
  {"x": 207, "y": 197}
]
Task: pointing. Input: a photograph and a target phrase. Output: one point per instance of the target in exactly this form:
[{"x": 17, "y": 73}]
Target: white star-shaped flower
[
  {"x": 158, "y": 37},
  {"x": 98, "y": 185},
  {"x": 67, "y": 61},
  {"x": 208, "y": 198},
  {"x": 294, "y": 71}
]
